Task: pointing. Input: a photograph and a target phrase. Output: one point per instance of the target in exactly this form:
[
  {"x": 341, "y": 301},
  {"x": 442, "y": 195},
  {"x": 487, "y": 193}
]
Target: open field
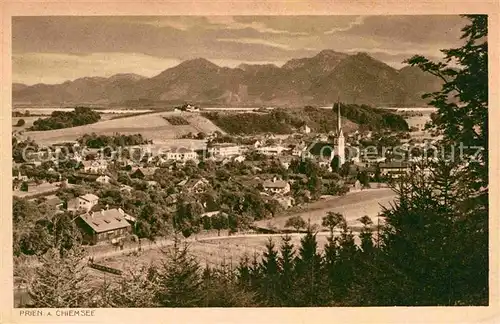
[
  {"x": 151, "y": 126},
  {"x": 40, "y": 189},
  {"x": 28, "y": 122},
  {"x": 352, "y": 206},
  {"x": 215, "y": 249},
  {"x": 208, "y": 251}
]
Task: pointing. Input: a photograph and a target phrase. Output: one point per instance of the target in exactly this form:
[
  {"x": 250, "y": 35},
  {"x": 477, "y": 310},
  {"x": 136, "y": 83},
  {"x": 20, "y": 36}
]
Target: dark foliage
[
  {"x": 65, "y": 119},
  {"x": 176, "y": 120},
  {"x": 118, "y": 140}
]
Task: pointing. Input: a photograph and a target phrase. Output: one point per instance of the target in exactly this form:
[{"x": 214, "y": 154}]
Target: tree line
[
  {"x": 283, "y": 121},
  {"x": 117, "y": 140},
  {"x": 65, "y": 119}
]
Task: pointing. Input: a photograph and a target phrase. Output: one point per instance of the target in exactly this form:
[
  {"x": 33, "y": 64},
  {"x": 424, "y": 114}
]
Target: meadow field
[
  {"x": 152, "y": 126},
  {"x": 353, "y": 206}
]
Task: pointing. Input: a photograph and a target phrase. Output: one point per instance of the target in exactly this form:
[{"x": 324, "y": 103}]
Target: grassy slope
[{"x": 151, "y": 126}]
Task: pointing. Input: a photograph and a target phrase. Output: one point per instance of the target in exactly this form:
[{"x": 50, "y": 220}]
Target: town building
[
  {"x": 125, "y": 188},
  {"x": 223, "y": 150},
  {"x": 298, "y": 149},
  {"x": 286, "y": 161},
  {"x": 82, "y": 177},
  {"x": 141, "y": 173},
  {"x": 195, "y": 185},
  {"x": 393, "y": 169},
  {"x": 83, "y": 203},
  {"x": 104, "y": 226},
  {"x": 276, "y": 186},
  {"x": 257, "y": 144},
  {"x": 355, "y": 186},
  {"x": 305, "y": 129},
  {"x": 181, "y": 155},
  {"x": 239, "y": 158},
  {"x": 152, "y": 184},
  {"x": 95, "y": 166},
  {"x": 325, "y": 150},
  {"x": 105, "y": 179},
  {"x": 273, "y": 150}
]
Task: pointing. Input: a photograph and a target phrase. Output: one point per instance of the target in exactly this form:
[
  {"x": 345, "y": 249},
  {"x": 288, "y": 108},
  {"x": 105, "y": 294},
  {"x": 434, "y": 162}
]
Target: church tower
[{"x": 340, "y": 141}]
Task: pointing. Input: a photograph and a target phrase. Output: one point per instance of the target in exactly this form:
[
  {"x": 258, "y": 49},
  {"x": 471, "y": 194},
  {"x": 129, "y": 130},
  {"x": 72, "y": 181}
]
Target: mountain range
[{"x": 318, "y": 80}]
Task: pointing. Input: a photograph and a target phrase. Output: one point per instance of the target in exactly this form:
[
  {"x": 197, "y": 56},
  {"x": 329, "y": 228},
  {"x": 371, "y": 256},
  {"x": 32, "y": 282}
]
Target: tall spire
[{"x": 339, "y": 125}]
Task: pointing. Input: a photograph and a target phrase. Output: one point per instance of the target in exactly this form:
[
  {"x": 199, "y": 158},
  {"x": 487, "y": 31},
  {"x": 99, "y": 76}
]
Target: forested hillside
[{"x": 285, "y": 121}]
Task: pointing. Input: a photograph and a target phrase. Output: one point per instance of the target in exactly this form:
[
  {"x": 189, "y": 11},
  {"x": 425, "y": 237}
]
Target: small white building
[
  {"x": 125, "y": 188},
  {"x": 271, "y": 150},
  {"x": 239, "y": 158},
  {"x": 305, "y": 129},
  {"x": 103, "y": 179},
  {"x": 276, "y": 186},
  {"x": 181, "y": 155},
  {"x": 257, "y": 144},
  {"x": 85, "y": 202},
  {"x": 95, "y": 166}
]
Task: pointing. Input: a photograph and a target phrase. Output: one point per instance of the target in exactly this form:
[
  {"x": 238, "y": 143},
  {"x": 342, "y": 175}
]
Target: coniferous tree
[
  {"x": 270, "y": 271},
  {"x": 434, "y": 247},
  {"x": 345, "y": 265},
  {"x": 255, "y": 272},
  {"x": 222, "y": 289},
  {"x": 135, "y": 289},
  {"x": 243, "y": 272},
  {"x": 61, "y": 281},
  {"x": 330, "y": 259},
  {"x": 366, "y": 236},
  {"x": 179, "y": 280},
  {"x": 287, "y": 275},
  {"x": 308, "y": 272}
]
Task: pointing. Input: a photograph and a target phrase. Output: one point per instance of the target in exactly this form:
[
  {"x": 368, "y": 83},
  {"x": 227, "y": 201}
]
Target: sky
[{"x": 54, "y": 49}]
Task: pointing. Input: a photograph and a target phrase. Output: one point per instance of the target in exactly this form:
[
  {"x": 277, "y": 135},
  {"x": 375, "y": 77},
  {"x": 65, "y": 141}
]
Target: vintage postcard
[{"x": 249, "y": 162}]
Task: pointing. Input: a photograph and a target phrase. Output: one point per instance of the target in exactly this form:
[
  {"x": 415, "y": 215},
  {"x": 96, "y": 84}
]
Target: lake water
[
  {"x": 229, "y": 108},
  {"x": 48, "y": 111},
  {"x": 419, "y": 109}
]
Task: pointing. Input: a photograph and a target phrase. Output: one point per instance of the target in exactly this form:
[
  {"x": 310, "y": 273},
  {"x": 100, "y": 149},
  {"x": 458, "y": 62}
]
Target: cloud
[
  {"x": 228, "y": 22},
  {"x": 423, "y": 29},
  {"x": 182, "y": 23},
  {"x": 357, "y": 21},
  {"x": 146, "y": 45},
  {"x": 51, "y": 68},
  {"x": 255, "y": 41}
]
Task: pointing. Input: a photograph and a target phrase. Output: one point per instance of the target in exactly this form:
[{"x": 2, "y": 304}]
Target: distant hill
[
  {"x": 317, "y": 80},
  {"x": 286, "y": 121}
]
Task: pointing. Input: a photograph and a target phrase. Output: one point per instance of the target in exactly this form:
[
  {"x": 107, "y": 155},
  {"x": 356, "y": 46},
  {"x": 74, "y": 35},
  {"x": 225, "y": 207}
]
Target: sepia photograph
[{"x": 222, "y": 161}]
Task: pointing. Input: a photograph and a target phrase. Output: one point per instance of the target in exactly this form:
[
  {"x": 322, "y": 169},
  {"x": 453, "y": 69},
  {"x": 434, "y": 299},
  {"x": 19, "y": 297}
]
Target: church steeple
[
  {"x": 339, "y": 119},
  {"x": 339, "y": 141}
]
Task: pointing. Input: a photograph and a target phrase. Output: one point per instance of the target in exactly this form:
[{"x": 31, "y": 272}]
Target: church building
[
  {"x": 339, "y": 138},
  {"x": 324, "y": 151}
]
